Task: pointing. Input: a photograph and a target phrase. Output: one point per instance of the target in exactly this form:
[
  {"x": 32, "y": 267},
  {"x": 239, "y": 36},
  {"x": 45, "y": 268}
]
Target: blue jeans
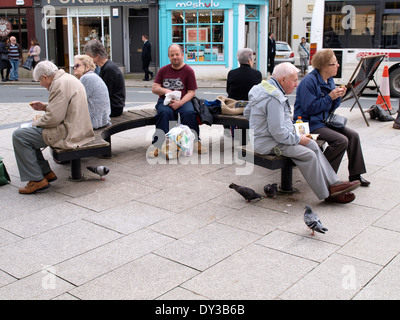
[
  {"x": 165, "y": 114},
  {"x": 14, "y": 69}
]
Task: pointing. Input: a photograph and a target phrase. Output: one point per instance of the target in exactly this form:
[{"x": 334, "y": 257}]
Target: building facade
[
  {"x": 64, "y": 26},
  {"x": 209, "y": 31},
  {"x": 280, "y": 19},
  {"x": 17, "y": 19},
  {"x": 301, "y": 24},
  {"x": 212, "y": 31}
]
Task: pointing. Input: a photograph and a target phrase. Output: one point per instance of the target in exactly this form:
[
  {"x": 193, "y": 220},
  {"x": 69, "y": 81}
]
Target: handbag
[
  {"x": 28, "y": 63},
  {"x": 4, "y": 177},
  {"x": 4, "y": 56},
  {"x": 335, "y": 121}
]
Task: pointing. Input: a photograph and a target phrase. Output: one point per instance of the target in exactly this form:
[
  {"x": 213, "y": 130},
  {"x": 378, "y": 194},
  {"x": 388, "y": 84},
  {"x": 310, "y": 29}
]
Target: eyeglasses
[{"x": 77, "y": 66}]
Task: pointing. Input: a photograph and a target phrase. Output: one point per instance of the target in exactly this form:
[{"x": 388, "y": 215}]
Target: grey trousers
[
  {"x": 313, "y": 165},
  {"x": 340, "y": 141},
  {"x": 31, "y": 164}
]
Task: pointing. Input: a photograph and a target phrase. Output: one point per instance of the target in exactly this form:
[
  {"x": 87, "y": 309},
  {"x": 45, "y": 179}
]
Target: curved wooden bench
[
  {"x": 101, "y": 146},
  {"x": 273, "y": 162},
  {"x": 130, "y": 119}
]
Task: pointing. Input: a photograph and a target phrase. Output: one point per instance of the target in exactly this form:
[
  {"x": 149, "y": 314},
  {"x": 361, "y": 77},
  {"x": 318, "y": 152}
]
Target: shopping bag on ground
[
  {"x": 4, "y": 177},
  {"x": 183, "y": 137},
  {"x": 28, "y": 63}
]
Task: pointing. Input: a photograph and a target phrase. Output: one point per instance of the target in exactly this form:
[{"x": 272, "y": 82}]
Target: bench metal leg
[
  {"x": 76, "y": 172},
  {"x": 286, "y": 180}
]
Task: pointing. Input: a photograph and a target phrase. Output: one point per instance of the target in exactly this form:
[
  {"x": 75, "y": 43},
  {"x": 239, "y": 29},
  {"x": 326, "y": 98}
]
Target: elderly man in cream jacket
[{"x": 65, "y": 124}]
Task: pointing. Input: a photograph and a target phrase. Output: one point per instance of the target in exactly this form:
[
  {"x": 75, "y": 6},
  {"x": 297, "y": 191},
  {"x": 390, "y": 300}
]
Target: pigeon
[
  {"x": 100, "y": 170},
  {"x": 312, "y": 221},
  {"x": 271, "y": 190},
  {"x": 247, "y": 193}
]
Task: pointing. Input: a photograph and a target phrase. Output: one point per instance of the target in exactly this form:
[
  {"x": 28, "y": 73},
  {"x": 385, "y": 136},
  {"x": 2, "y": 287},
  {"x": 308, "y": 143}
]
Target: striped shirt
[{"x": 13, "y": 52}]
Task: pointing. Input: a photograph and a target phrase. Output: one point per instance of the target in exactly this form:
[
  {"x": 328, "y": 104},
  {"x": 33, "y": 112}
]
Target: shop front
[
  {"x": 67, "y": 25},
  {"x": 211, "y": 32},
  {"x": 16, "y": 19}
]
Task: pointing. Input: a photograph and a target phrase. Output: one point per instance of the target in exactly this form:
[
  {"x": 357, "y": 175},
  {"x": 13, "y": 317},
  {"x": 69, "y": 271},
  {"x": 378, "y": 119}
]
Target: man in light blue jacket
[{"x": 270, "y": 118}]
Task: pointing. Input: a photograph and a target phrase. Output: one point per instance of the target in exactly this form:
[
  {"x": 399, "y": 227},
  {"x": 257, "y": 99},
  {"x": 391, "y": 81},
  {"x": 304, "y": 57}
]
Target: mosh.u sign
[{"x": 198, "y": 4}]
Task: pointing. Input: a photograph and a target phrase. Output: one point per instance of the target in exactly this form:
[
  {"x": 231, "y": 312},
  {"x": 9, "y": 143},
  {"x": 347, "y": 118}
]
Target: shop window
[
  {"x": 200, "y": 33},
  {"x": 69, "y": 29},
  {"x": 18, "y": 24}
]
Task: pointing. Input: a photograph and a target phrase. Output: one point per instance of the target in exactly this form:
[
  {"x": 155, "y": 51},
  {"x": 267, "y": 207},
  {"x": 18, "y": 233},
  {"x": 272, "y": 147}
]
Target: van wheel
[{"x": 394, "y": 79}]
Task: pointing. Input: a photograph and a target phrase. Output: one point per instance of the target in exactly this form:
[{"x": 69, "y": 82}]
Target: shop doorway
[
  {"x": 57, "y": 43},
  {"x": 252, "y": 30},
  {"x": 138, "y": 25}
]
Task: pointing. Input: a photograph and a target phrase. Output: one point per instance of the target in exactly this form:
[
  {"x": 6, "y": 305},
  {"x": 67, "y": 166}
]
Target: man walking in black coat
[
  {"x": 271, "y": 52},
  {"x": 146, "y": 58}
]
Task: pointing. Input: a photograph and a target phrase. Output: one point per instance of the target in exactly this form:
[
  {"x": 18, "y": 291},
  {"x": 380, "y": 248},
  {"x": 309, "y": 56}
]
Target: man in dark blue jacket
[{"x": 146, "y": 58}]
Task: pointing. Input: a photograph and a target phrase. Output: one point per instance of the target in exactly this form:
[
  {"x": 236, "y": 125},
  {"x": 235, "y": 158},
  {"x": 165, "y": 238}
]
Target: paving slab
[{"x": 175, "y": 230}]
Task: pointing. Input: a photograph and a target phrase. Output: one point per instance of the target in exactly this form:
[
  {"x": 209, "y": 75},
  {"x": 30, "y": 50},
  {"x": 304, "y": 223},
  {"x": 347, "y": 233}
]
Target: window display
[{"x": 201, "y": 34}]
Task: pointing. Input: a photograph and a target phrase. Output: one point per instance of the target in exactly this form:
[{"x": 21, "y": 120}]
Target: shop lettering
[
  {"x": 72, "y": 1},
  {"x": 199, "y": 4}
]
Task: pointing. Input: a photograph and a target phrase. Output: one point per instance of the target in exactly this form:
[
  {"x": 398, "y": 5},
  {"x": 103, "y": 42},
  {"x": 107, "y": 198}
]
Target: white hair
[
  {"x": 244, "y": 55},
  {"x": 284, "y": 69},
  {"x": 46, "y": 67}
]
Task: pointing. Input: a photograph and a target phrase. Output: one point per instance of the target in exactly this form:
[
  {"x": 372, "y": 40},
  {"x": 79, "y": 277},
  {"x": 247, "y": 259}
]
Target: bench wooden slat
[{"x": 131, "y": 119}]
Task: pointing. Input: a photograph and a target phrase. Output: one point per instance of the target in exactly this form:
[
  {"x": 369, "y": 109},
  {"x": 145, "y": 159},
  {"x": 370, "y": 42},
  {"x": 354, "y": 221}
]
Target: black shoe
[
  {"x": 145, "y": 79},
  {"x": 364, "y": 183},
  {"x": 151, "y": 76}
]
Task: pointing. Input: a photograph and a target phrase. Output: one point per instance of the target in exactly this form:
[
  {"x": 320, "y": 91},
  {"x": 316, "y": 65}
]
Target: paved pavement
[{"x": 157, "y": 230}]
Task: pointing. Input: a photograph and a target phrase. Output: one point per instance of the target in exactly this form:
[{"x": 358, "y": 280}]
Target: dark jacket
[
  {"x": 4, "y": 64},
  {"x": 115, "y": 82},
  {"x": 146, "y": 52},
  {"x": 313, "y": 102},
  {"x": 241, "y": 80},
  {"x": 271, "y": 47},
  {"x": 206, "y": 110}
]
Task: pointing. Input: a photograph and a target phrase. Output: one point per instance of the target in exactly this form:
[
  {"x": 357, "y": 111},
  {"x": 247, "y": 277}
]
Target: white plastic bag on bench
[{"x": 183, "y": 137}]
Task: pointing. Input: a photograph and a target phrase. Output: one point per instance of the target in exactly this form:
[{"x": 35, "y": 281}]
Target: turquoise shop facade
[{"x": 212, "y": 31}]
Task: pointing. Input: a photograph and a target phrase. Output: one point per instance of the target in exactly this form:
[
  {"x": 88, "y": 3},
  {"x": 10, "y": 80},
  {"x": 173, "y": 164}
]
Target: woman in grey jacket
[
  {"x": 96, "y": 91},
  {"x": 269, "y": 117}
]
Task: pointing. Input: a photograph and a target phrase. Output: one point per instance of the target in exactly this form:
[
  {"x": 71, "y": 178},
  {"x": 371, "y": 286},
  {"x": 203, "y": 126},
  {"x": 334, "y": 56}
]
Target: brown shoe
[
  {"x": 50, "y": 177},
  {"x": 342, "y": 198},
  {"x": 34, "y": 186},
  {"x": 200, "y": 148},
  {"x": 343, "y": 187},
  {"x": 153, "y": 153}
]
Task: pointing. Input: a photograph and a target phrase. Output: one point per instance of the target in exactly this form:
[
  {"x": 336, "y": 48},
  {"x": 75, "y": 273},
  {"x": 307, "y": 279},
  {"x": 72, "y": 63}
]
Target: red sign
[{"x": 5, "y": 27}]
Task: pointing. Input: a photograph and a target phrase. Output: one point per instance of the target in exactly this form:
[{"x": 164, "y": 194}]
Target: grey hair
[
  {"x": 244, "y": 55},
  {"x": 95, "y": 48},
  {"x": 284, "y": 69},
  {"x": 46, "y": 68}
]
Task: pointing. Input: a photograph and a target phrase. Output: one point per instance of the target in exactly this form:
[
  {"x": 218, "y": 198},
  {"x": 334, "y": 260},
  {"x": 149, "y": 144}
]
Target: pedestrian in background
[
  {"x": 34, "y": 51},
  {"x": 304, "y": 52},
  {"x": 4, "y": 61},
  {"x": 15, "y": 56},
  {"x": 271, "y": 52},
  {"x": 146, "y": 58}
]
